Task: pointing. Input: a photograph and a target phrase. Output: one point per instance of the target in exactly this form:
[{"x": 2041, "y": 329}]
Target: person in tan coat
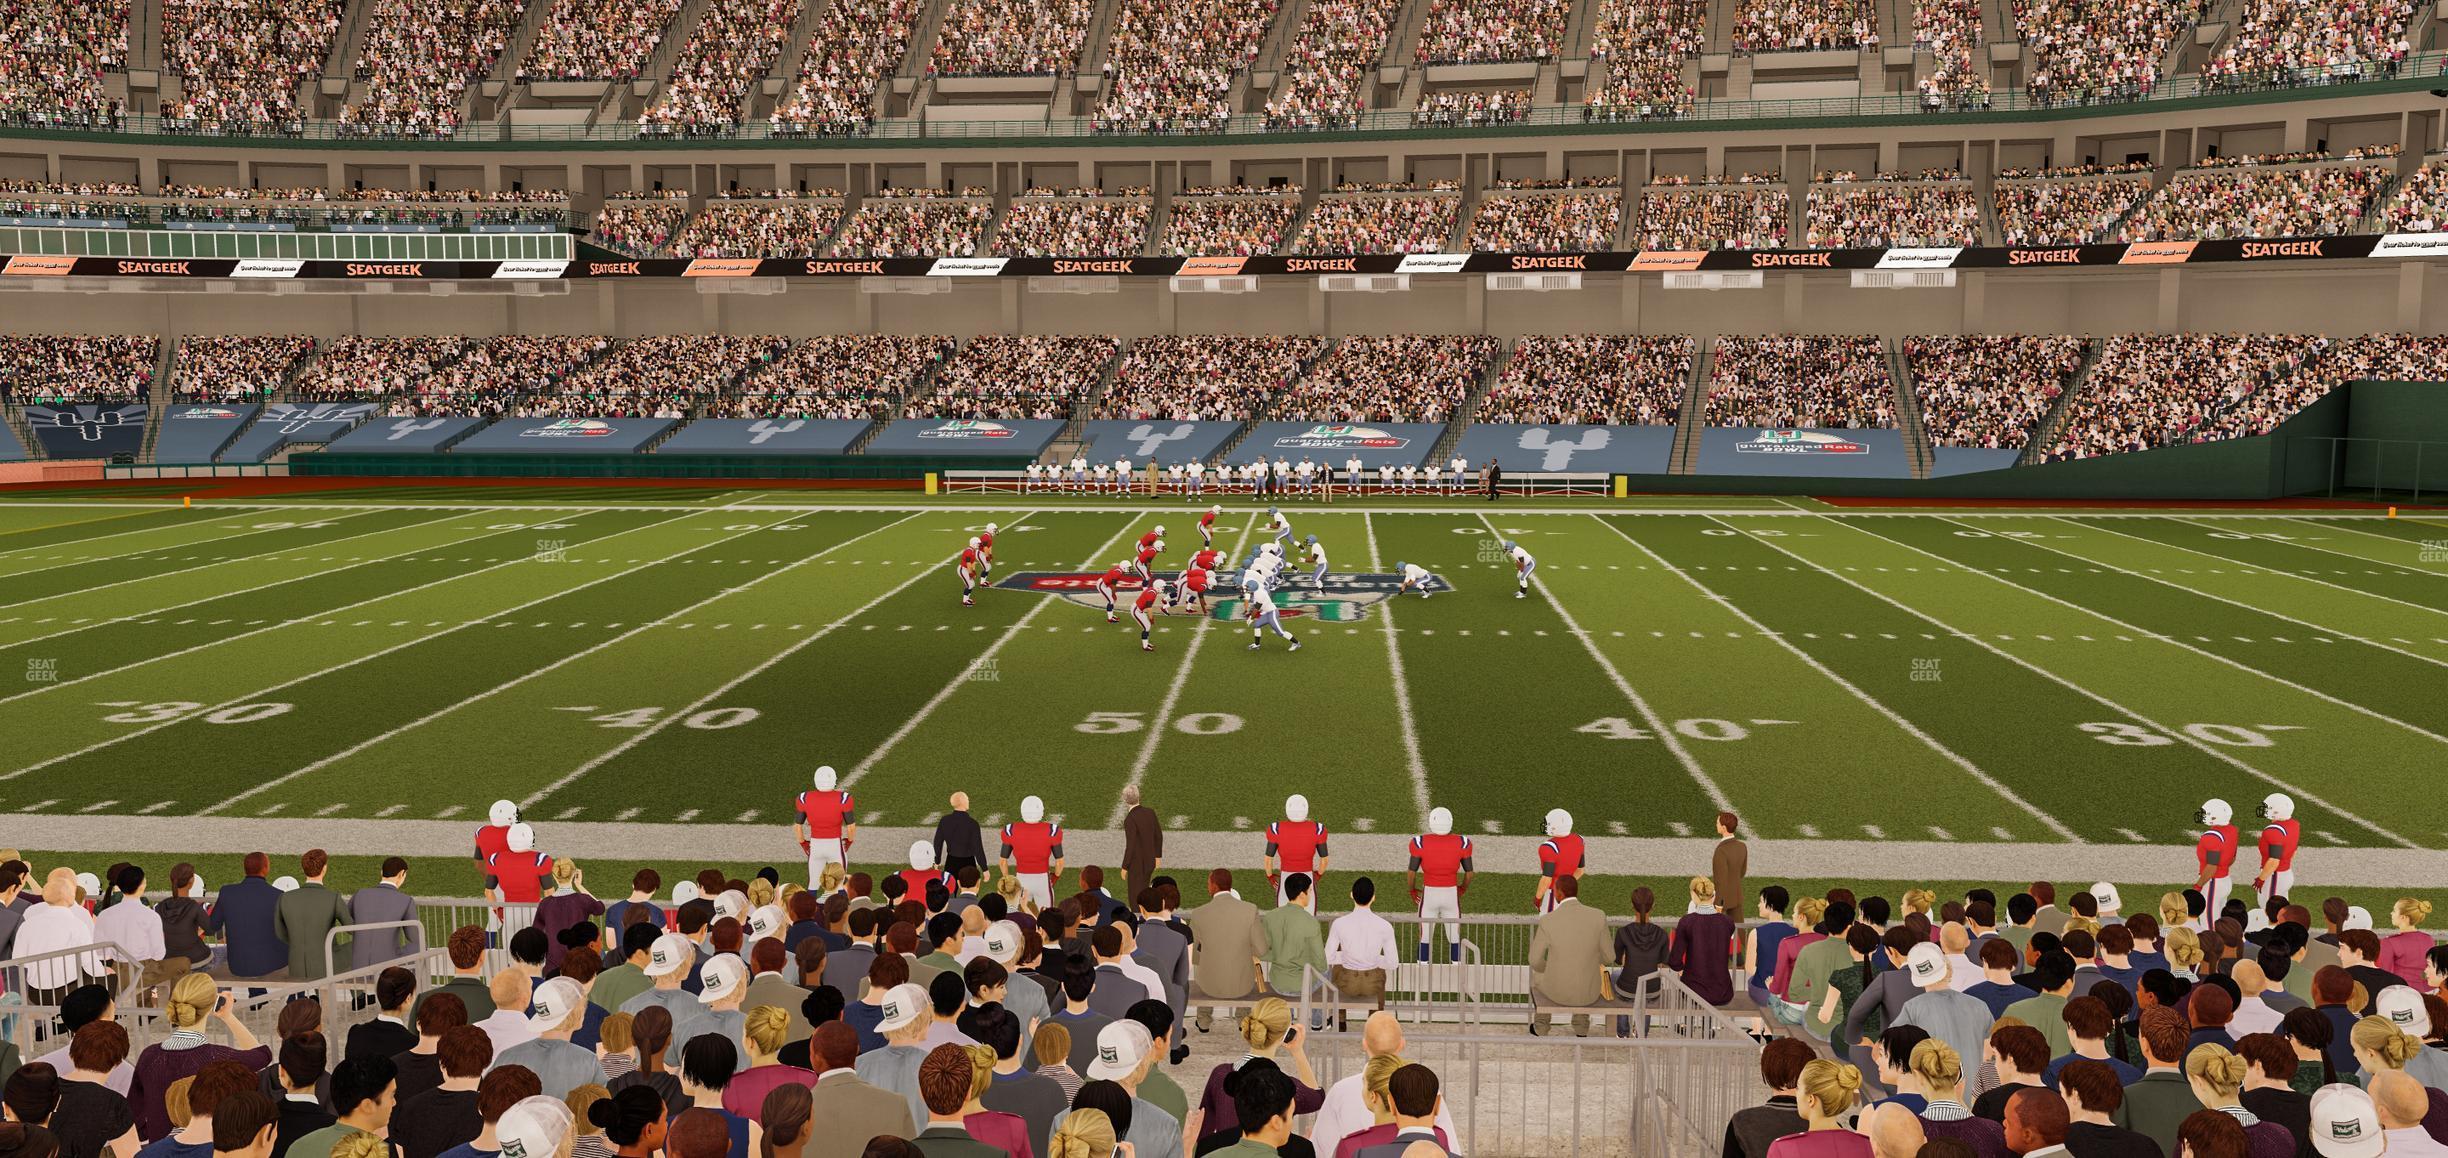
[
  {"x": 1568, "y": 954},
  {"x": 852, "y": 1109},
  {"x": 1728, "y": 865},
  {"x": 1227, "y": 939}
]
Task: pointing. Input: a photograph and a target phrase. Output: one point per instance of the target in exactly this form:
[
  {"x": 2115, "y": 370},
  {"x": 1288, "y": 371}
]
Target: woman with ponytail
[
  {"x": 787, "y": 1115},
  {"x": 1086, "y": 1134},
  {"x": 2404, "y": 951},
  {"x": 192, "y": 999},
  {"x": 1826, "y": 1094},
  {"x": 1939, "y": 1071},
  {"x": 2217, "y": 1078}
]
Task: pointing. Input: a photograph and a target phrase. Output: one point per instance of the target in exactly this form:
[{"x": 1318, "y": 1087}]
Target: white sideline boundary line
[
  {"x": 2166, "y": 582},
  {"x": 728, "y": 686},
  {"x": 1648, "y": 715},
  {"x": 2197, "y": 745},
  {"x": 2417, "y": 567},
  {"x": 928, "y": 709},
  {"x": 2367, "y": 562},
  {"x": 294, "y": 620},
  {"x": 1892, "y": 716},
  {"x": 401, "y": 646},
  {"x": 205, "y": 566},
  {"x": 298, "y": 578},
  {"x": 1402, "y": 682},
  {"x": 1172, "y": 696},
  {"x": 547, "y": 669},
  {"x": 9, "y": 554}
]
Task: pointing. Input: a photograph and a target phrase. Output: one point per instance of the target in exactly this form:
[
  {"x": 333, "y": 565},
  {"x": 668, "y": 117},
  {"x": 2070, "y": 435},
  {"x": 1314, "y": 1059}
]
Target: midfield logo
[
  {"x": 1346, "y": 597},
  {"x": 1800, "y": 442}
]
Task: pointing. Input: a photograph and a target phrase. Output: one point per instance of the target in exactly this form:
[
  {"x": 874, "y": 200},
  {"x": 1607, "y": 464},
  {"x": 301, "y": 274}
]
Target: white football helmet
[
  {"x": 1032, "y": 810},
  {"x": 922, "y": 854},
  {"x": 504, "y": 813},
  {"x": 825, "y": 778},
  {"x": 2215, "y": 812},
  {"x": 975, "y": 542},
  {"x": 1440, "y": 821},
  {"x": 522, "y": 838},
  {"x": 992, "y": 529},
  {"x": 1160, "y": 531},
  {"x": 2277, "y": 806},
  {"x": 1296, "y": 808},
  {"x": 1215, "y": 508},
  {"x": 1559, "y": 822}
]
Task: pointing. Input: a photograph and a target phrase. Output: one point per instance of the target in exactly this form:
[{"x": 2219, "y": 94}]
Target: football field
[{"x": 2013, "y": 678}]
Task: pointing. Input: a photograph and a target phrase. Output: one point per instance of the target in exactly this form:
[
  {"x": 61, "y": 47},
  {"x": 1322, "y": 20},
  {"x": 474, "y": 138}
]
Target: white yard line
[
  {"x": 1657, "y": 724},
  {"x": 277, "y": 625},
  {"x": 1010, "y": 633},
  {"x": 401, "y": 646},
  {"x": 1892, "y": 716},
  {"x": 8, "y": 554},
  {"x": 583, "y": 770},
  {"x": 2367, "y": 561},
  {"x": 1172, "y": 697},
  {"x": 2402, "y": 544},
  {"x": 1402, "y": 683},
  {"x": 2206, "y": 749},
  {"x": 204, "y": 566},
  {"x": 549, "y": 668}
]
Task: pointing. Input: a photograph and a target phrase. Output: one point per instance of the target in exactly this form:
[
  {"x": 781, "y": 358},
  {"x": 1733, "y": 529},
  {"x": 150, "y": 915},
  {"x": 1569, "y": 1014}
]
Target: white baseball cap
[
  {"x": 2403, "y": 1007},
  {"x": 905, "y": 1003},
  {"x": 732, "y": 904},
  {"x": 684, "y": 892},
  {"x": 2106, "y": 894},
  {"x": 554, "y": 1001},
  {"x": 534, "y": 1127},
  {"x": 1927, "y": 965},
  {"x": 2345, "y": 1124},
  {"x": 1003, "y": 941},
  {"x": 671, "y": 954},
  {"x": 1119, "y": 1048},
  {"x": 766, "y": 922},
  {"x": 722, "y": 976}
]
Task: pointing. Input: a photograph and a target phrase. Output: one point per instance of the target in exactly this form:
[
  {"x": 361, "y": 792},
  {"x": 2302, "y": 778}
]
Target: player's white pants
[
  {"x": 823, "y": 851},
  {"x": 1140, "y": 614},
  {"x": 2214, "y": 898},
  {"x": 1317, "y": 578},
  {"x": 1107, "y": 592},
  {"x": 968, "y": 580},
  {"x": 1270, "y": 619},
  {"x": 1521, "y": 574},
  {"x": 1206, "y": 535},
  {"x": 2281, "y": 884},
  {"x": 1039, "y": 887},
  {"x": 1442, "y": 903}
]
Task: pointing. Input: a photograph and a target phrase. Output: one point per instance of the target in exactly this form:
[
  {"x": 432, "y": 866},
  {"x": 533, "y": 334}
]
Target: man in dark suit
[
  {"x": 1142, "y": 842},
  {"x": 1728, "y": 865},
  {"x": 305, "y": 915},
  {"x": 387, "y": 1034},
  {"x": 957, "y": 839},
  {"x": 1413, "y": 1089},
  {"x": 1115, "y": 991},
  {"x": 242, "y": 916},
  {"x": 387, "y": 901},
  {"x": 1495, "y": 479},
  {"x": 1162, "y": 948},
  {"x": 943, "y": 1082}
]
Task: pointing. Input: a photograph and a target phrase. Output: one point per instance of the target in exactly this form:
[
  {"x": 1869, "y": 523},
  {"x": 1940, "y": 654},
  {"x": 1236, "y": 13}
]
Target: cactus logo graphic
[
  {"x": 1145, "y": 437},
  {"x": 87, "y": 423},
  {"x": 570, "y": 428},
  {"x": 967, "y": 428},
  {"x": 1343, "y": 437},
  {"x": 1558, "y": 456},
  {"x": 405, "y": 427},
  {"x": 766, "y": 428},
  {"x": 289, "y": 418}
]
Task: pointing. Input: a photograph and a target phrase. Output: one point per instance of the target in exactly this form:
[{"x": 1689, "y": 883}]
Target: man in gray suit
[
  {"x": 1230, "y": 940},
  {"x": 388, "y": 901},
  {"x": 1163, "y": 950},
  {"x": 1413, "y": 1089},
  {"x": 1568, "y": 954},
  {"x": 853, "y": 1110},
  {"x": 305, "y": 914},
  {"x": 1115, "y": 991}
]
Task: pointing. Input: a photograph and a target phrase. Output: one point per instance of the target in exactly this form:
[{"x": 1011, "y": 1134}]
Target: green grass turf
[{"x": 2023, "y": 677}]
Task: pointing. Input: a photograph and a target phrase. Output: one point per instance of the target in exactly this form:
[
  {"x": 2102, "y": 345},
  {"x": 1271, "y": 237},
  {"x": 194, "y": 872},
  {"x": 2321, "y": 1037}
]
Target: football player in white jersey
[
  {"x": 1523, "y": 565},
  {"x": 1316, "y": 561},
  {"x": 1413, "y": 575},
  {"x": 1279, "y": 525},
  {"x": 1263, "y": 615}
]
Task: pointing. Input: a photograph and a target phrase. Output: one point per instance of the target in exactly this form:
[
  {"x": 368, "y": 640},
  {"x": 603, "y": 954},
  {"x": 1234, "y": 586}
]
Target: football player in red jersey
[
  {"x": 1150, "y": 545},
  {"x": 1035, "y": 847},
  {"x": 1109, "y": 584},
  {"x": 1207, "y": 524},
  {"x": 495, "y": 836},
  {"x": 985, "y": 541},
  {"x": 1560, "y": 855},
  {"x": 1194, "y": 584},
  {"x": 968, "y": 568},
  {"x": 1151, "y": 596},
  {"x": 922, "y": 871},
  {"x": 825, "y": 828},
  {"x": 1296, "y": 844},
  {"x": 2279, "y": 842},
  {"x": 515, "y": 877},
  {"x": 1440, "y": 873},
  {"x": 2214, "y": 856}
]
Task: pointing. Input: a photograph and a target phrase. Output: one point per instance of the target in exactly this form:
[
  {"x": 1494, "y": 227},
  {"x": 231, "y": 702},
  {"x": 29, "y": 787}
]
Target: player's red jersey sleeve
[
  {"x": 2279, "y": 841},
  {"x": 492, "y": 839},
  {"x": 2212, "y": 852}
]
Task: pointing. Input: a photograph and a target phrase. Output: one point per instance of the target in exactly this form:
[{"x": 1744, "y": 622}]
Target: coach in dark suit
[
  {"x": 1495, "y": 478},
  {"x": 1142, "y": 842},
  {"x": 376, "y": 904},
  {"x": 242, "y": 916}
]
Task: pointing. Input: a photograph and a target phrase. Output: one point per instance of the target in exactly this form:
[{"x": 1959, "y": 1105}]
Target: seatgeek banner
[{"x": 2394, "y": 245}]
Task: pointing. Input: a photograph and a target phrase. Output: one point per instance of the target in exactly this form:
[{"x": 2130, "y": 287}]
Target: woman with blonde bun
[
  {"x": 1938, "y": 1069},
  {"x": 765, "y": 1029},
  {"x": 1268, "y": 1032},
  {"x": 1825, "y": 1095},
  {"x": 2184, "y": 954},
  {"x": 1086, "y": 1134},
  {"x": 2380, "y": 1047},
  {"x": 2404, "y": 951},
  {"x": 995, "y": 1128},
  {"x": 2217, "y": 1077},
  {"x": 192, "y": 998}
]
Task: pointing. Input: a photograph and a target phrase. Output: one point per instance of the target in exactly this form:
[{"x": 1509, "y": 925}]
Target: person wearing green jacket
[
  {"x": 1294, "y": 938},
  {"x": 306, "y": 914}
]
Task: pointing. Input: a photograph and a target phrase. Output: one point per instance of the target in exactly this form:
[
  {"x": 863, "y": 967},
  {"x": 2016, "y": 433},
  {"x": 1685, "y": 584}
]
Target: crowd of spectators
[
  {"x": 1391, "y": 378},
  {"x": 1844, "y": 215},
  {"x": 1492, "y": 31},
  {"x": 2374, "y": 357},
  {"x": 1229, "y": 221},
  {"x": 1990, "y": 391},
  {"x": 1713, "y": 216},
  {"x": 761, "y": 225},
  {"x": 1170, "y": 68},
  {"x": 667, "y": 376},
  {"x": 419, "y": 59},
  {"x": 497, "y": 375},
  {"x": 597, "y": 39},
  {"x": 1950, "y": 31},
  {"x": 1074, "y": 223},
  {"x": 1637, "y": 56},
  {"x": 641, "y": 225},
  {"x": 2288, "y": 42},
  {"x": 2067, "y": 209},
  {"x": 1328, "y": 66},
  {"x": 1473, "y": 108},
  {"x": 1010, "y": 37},
  {"x": 914, "y": 223},
  {"x": 363, "y": 369},
  {"x": 1791, "y": 381},
  {"x": 1594, "y": 379},
  {"x": 2420, "y": 204},
  {"x": 1380, "y": 222},
  {"x": 242, "y": 62},
  {"x": 1206, "y": 377},
  {"x": 231, "y": 369},
  {"x": 846, "y": 65},
  {"x": 56, "y": 369},
  {"x": 1805, "y": 25},
  {"x": 2088, "y": 51},
  {"x": 2252, "y": 199},
  {"x": 847, "y": 376},
  {"x": 2149, "y": 390},
  {"x": 1522, "y": 219},
  {"x": 735, "y": 44},
  {"x": 1008, "y": 376},
  {"x": 52, "y": 57}
]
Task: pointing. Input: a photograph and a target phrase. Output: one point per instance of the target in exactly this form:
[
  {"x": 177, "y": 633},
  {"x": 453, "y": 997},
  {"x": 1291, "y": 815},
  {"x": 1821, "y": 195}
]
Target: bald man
[
  {"x": 957, "y": 839},
  {"x": 1344, "y": 1113},
  {"x": 1895, "y": 1132},
  {"x": 2402, "y": 1103}
]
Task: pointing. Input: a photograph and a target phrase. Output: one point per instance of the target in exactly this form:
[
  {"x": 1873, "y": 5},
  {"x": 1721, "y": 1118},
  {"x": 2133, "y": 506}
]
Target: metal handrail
[{"x": 331, "y": 946}]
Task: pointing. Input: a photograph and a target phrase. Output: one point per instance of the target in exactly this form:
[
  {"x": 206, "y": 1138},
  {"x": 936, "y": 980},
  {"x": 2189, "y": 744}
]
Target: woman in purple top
[
  {"x": 1825, "y": 1094},
  {"x": 569, "y": 906},
  {"x": 1703, "y": 947},
  {"x": 192, "y": 998},
  {"x": 1272, "y": 1038}
]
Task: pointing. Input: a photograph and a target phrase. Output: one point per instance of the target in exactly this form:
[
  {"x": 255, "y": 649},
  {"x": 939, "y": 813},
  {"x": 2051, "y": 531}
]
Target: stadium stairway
[
  {"x": 1694, "y": 414},
  {"x": 157, "y": 399},
  {"x": 144, "y": 46},
  {"x": 1270, "y": 56},
  {"x": 1095, "y": 50},
  {"x": 1402, "y": 51},
  {"x": 1908, "y": 411},
  {"x": 14, "y": 415},
  {"x": 923, "y": 37},
  {"x": 339, "y": 71},
  {"x": 2044, "y": 432},
  {"x": 505, "y": 66},
  {"x": 1468, "y": 409}
]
